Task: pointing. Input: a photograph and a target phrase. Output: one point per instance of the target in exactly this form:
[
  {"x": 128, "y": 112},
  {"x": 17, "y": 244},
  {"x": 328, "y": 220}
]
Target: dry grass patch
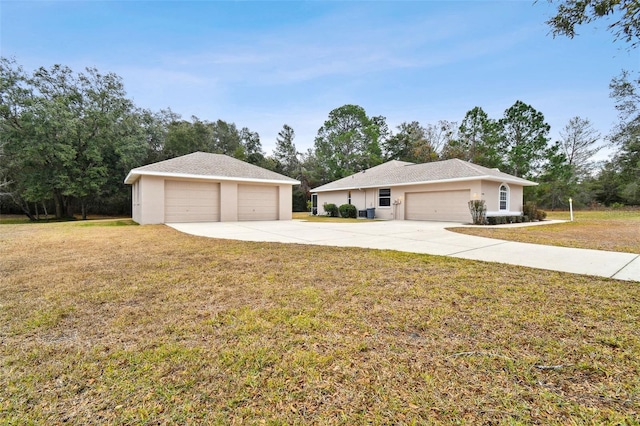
[
  {"x": 598, "y": 230},
  {"x": 132, "y": 325}
]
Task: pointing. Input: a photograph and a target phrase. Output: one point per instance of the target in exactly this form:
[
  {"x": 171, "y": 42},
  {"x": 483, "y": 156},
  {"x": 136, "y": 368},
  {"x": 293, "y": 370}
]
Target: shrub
[
  {"x": 541, "y": 215},
  {"x": 331, "y": 209},
  {"x": 478, "y": 211},
  {"x": 504, "y": 220},
  {"x": 529, "y": 210},
  {"x": 348, "y": 210}
]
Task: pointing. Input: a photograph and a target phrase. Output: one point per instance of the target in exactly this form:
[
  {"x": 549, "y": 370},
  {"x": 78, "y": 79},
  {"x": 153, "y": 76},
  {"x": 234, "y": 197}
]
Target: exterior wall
[
  {"x": 151, "y": 200},
  {"x": 285, "y": 202},
  {"x": 228, "y": 201},
  {"x": 491, "y": 195},
  {"x": 135, "y": 201},
  {"x": 367, "y": 198},
  {"x": 334, "y": 197},
  {"x": 398, "y": 194},
  {"x": 516, "y": 195},
  {"x": 148, "y": 200},
  {"x": 361, "y": 198},
  {"x": 486, "y": 190}
]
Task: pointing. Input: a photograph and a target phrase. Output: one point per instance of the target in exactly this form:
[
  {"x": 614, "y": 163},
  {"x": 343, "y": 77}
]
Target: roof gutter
[
  {"x": 134, "y": 175},
  {"x": 522, "y": 182}
]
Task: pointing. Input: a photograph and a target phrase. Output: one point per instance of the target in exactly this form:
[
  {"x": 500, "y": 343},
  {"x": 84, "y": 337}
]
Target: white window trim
[
  {"x": 378, "y": 197},
  {"x": 506, "y": 209}
]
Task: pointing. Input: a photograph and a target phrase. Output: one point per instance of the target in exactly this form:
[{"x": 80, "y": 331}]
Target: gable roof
[
  {"x": 396, "y": 173},
  {"x": 204, "y": 165}
]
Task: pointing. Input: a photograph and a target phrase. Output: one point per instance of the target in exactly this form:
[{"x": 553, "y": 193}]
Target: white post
[{"x": 571, "y": 208}]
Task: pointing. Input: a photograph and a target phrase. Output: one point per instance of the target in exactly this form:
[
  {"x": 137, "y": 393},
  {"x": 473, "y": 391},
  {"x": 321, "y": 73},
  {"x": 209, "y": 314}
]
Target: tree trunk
[
  {"x": 57, "y": 199},
  {"x": 83, "y": 206},
  {"x": 23, "y": 206},
  {"x": 70, "y": 209}
]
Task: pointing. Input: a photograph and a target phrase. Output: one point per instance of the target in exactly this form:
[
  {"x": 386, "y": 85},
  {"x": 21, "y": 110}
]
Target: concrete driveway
[{"x": 424, "y": 237}]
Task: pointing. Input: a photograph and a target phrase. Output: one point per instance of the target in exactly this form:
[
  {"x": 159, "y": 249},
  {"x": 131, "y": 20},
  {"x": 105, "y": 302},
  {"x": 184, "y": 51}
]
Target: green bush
[
  {"x": 348, "y": 210},
  {"x": 504, "y": 220},
  {"x": 541, "y": 215},
  {"x": 331, "y": 209},
  {"x": 529, "y": 210}
]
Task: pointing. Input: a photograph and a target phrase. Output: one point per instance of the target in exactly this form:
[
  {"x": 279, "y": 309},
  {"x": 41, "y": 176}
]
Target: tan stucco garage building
[
  {"x": 204, "y": 187},
  {"x": 438, "y": 191}
]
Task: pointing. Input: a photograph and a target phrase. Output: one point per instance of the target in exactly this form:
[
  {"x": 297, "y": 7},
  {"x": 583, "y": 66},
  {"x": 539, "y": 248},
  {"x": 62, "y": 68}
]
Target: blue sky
[{"x": 264, "y": 64}]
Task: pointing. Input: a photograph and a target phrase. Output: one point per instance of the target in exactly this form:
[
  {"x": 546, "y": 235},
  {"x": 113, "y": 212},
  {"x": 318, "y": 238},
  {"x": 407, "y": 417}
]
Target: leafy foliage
[
  {"x": 624, "y": 14},
  {"x": 348, "y": 211},
  {"x": 478, "y": 140},
  {"x": 330, "y": 209},
  {"x": 286, "y": 154},
  {"x": 349, "y": 141},
  {"x": 618, "y": 179},
  {"x": 478, "y": 209},
  {"x": 66, "y": 134},
  {"x": 579, "y": 143},
  {"x": 401, "y": 146},
  {"x": 67, "y": 140},
  {"x": 524, "y": 140},
  {"x": 530, "y": 211}
]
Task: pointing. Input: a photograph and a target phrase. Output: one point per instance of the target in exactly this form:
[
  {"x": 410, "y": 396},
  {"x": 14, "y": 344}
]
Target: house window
[
  {"x": 504, "y": 197},
  {"x": 349, "y": 198},
  {"x": 384, "y": 197}
]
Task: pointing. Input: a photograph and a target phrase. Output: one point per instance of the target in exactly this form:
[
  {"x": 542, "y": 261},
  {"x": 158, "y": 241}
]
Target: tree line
[{"x": 68, "y": 139}]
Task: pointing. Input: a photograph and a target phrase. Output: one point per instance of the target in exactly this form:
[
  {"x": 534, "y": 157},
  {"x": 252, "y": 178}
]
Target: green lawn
[{"x": 144, "y": 325}]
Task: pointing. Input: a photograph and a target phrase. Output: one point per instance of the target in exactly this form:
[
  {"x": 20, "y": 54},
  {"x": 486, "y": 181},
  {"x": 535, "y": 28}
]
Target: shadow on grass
[{"x": 18, "y": 220}]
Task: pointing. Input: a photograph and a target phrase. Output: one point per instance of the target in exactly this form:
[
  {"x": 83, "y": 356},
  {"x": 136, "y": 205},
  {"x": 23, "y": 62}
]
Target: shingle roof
[
  {"x": 396, "y": 173},
  {"x": 209, "y": 166}
]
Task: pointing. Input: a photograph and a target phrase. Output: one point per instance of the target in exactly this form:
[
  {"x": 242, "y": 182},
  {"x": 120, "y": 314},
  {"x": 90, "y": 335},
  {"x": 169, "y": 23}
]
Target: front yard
[
  {"x": 141, "y": 324},
  {"x": 611, "y": 230}
]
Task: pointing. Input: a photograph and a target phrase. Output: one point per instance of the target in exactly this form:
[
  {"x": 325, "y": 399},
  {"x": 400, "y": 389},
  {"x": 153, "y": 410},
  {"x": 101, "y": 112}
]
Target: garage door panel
[
  {"x": 187, "y": 201},
  {"x": 438, "y": 205},
  {"x": 257, "y": 202}
]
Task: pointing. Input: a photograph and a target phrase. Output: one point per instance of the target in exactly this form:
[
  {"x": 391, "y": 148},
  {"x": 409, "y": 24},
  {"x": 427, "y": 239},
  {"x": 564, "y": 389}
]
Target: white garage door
[
  {"x": 438, "y": 205},
  {"x": 186, "y": 201},
  {"x": 256, "y": 202}
]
